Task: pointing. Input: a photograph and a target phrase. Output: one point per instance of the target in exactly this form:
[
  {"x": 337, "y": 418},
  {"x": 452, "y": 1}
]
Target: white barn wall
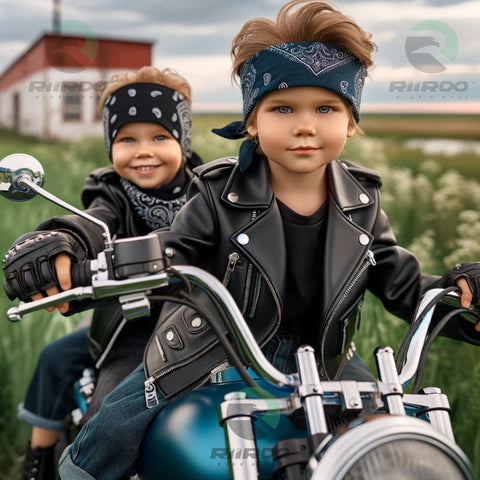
[{"x": 41, "y": 104}]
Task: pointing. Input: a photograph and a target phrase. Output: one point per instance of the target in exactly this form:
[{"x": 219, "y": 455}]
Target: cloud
[
  {"x": 211, "y": 75},
  {"x": 389, "y": 73},
  {"x": 195, "y": 37}
]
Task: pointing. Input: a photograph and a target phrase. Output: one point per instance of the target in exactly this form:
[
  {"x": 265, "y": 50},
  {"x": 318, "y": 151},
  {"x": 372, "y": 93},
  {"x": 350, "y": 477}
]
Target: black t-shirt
[{"x": 304, "y": 238}]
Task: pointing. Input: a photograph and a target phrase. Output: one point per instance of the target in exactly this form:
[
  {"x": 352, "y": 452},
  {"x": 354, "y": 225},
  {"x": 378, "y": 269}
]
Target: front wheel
[{"x": 388, "y": 447}]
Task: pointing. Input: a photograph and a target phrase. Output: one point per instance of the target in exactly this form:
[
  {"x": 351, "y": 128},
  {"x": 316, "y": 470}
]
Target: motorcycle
[{"x": 252, "y": 421}]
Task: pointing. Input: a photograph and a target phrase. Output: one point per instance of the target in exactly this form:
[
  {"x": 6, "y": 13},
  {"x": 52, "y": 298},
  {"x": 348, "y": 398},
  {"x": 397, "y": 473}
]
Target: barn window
[
  {"x": 72, "y": 102},
  {"x": 97, "y": 116}
]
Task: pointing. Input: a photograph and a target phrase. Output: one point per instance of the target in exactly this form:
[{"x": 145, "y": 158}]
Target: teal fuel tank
[{"x": 186, "y": 440}]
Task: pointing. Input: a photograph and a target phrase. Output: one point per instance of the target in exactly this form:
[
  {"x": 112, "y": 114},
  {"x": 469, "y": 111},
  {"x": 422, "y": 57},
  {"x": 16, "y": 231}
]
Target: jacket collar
[
  {"x": 345, "y": 188},
  {"x": 252, "y": 188}
]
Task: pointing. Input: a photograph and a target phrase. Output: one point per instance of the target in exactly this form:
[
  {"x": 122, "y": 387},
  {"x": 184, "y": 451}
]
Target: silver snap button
[
  {"x": 243, "y": 239},
  {"x": 196, "y": 322},
  {"x": 363, "y": 239},
  {"x": 169, "y": 252},
  {"x": 170, "y": 336},
  {"x": 232, "y": 197},
  {"x": 363, "y": 197}
]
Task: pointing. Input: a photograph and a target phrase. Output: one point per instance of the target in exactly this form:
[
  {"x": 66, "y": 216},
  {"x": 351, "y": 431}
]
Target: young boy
[
  {"x": 300, "y": 233},
  {"x": 142, "y": 190}
]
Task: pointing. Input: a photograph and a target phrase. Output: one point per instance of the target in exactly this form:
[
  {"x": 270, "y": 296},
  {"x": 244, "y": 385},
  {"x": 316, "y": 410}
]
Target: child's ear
[
  {"x": 252, "y": 131},
  {"x": 351, "y": 130}
]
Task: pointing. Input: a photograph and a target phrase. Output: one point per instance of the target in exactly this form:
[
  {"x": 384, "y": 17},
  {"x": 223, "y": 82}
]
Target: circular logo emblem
[
  {"x": 431, "y": 45},
  {"x": 75, "y": 53}
]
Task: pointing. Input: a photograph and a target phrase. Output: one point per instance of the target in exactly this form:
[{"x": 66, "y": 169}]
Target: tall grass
[
  {"x": 433, "y": 209},
  {"x": 66, "y": 166},
  {"x": 434, "y": 213}
]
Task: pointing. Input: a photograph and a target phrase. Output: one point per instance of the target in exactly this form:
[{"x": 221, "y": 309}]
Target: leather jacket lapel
[
  {"x": 269, "y": 257},
  {"x": 252, "y": 190},
  {"x": 346, "y": 243},
  {"x": 262, "y": 240}
]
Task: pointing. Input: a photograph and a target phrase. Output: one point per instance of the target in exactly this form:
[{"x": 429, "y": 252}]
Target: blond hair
[{"x": 167, "y": 77}]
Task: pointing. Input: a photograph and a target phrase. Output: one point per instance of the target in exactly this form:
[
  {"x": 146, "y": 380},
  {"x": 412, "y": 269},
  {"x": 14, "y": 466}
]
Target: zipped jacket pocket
[
  {"x": 247, "y": 285},
  {"x": 343, "y": 319},
  {"x": 182, "y": 337}
]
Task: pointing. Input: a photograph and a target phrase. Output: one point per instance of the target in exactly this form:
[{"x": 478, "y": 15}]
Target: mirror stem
[{"x": 25, "y": 182}]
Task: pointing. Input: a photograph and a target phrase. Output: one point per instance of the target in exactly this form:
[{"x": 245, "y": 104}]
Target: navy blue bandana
[
  {"x": 295, "y": 64},
  {"x": 148, "y": 102}
]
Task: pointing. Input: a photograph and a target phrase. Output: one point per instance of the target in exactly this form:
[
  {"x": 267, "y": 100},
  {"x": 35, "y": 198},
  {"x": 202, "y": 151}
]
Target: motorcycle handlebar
[
  {"x": 106, "y": 288},
  {"x": 137, "y": 262},
  {"x": 115, "y": 288},
  {"x": 81, "y": 273}
]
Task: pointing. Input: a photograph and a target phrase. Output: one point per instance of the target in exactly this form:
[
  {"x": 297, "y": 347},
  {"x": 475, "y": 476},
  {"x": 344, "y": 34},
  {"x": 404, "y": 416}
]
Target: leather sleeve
[
  {"x": 397, "y": 281},
  {"x": 396, "y": 277},
  {"x": 193, "y": 232},
  {"x": 100, "y": 202}
]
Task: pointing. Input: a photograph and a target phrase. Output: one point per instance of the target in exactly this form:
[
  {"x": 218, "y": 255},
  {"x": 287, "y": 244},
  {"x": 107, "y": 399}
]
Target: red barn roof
[{"x": 74, "y": 52}]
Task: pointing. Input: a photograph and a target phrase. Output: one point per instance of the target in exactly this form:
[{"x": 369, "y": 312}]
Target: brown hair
[
  {"x": 167, "y": 77},
  {"x": 302, "y": 21}
]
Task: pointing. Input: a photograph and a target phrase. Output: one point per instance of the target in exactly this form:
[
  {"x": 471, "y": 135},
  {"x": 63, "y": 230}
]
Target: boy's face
[
  {"x": 301, "y": 129},
  {"x": 146, "y": 154}
]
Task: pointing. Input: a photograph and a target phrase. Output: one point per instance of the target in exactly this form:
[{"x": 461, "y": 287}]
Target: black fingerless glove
[
  {"x": 29, "y": 265},
  {"x": 470, "y": 272}
]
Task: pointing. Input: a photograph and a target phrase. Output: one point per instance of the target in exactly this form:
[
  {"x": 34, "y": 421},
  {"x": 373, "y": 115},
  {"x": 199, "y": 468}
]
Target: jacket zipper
[
  {"x": 150, "y": 389},
  {"x": 232, "y": 263},
  {"x": 370, "y": 261}
]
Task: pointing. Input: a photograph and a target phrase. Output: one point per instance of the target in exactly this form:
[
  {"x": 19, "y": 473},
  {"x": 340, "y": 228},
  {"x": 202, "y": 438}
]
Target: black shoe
[{"x": 39, "y": 463}]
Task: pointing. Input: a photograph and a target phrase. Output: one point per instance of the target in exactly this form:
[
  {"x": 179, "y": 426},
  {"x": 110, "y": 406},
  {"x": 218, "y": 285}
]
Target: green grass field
[{"x": 432, "y": 201}]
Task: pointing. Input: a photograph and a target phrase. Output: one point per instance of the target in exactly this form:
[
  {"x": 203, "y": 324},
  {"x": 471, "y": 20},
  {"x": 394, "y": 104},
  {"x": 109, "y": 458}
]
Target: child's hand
[
  {"x": 466, "y": 297},
  {"x": 62, "y": 268},
  {"x": 39, "y": 262},
  {"x": 467, "y": 277}
]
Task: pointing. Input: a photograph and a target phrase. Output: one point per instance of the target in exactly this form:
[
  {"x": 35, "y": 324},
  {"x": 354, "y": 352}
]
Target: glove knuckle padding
[
  {"x": 29, "y": 265},
  {"x": 470, "y": 272}
]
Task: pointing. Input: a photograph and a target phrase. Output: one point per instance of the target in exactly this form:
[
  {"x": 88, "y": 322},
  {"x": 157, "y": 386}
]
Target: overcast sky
[{"x": 194, "y": 37}]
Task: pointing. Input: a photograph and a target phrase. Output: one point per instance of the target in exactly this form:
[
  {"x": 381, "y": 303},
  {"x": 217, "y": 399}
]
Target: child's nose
[
  {"x": 143, "y": 152},
  {"x": 304, "y": 126}
]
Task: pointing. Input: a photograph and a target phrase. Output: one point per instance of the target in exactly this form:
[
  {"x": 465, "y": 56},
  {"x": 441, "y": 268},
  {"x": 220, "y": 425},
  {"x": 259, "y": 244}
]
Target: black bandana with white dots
[{"x": 148, "y": 102}]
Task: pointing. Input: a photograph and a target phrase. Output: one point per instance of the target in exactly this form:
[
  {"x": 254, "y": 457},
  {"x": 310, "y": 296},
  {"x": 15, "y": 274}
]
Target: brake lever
[
  {"x": 100, "y": 289},
  {"x": 15, "y": 314}
]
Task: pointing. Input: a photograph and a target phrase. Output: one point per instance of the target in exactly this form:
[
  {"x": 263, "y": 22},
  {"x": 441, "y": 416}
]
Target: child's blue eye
[
  {"x": 159, "y": 138},
  {"x": 127, "y": 139},
  {"x": 324, "y": 109},
  {"x": 283, "y": 109}
]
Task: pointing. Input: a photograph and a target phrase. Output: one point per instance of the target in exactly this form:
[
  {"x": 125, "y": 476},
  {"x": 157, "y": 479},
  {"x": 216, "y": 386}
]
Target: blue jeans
[
  {"x": 50, "y": 393},
  {"x": 108, "y": 446}
]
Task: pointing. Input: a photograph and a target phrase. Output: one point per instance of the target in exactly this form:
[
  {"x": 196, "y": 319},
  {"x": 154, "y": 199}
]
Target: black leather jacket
[
  {"x": 230, "y": 212},
  {"x": 104, "y": 198}
]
